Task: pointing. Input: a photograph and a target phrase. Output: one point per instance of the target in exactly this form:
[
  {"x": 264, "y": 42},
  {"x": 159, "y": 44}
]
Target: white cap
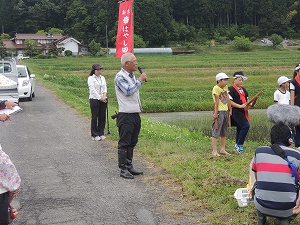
[
  {"x": 282, "y": 80},
  {"x": 240, "y": 75},
  {"x": 221, "y": 76}
]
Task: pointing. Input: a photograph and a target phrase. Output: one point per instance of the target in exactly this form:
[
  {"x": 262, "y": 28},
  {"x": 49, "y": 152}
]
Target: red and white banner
[{"x": 124, "y": 42}]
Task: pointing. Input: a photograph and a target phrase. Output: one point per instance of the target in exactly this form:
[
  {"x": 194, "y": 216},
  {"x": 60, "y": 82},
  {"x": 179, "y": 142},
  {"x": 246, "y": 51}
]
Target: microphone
[
  {"x": 141, "y": 71},
  {"x": 286, "y": 114}
]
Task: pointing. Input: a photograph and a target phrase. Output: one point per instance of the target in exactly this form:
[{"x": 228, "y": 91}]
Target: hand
[
  {"x": 103, "y": 99},
  {"x": 14, "y": 213},
  {"x": 12, "y": 195},
  {"x": 4, "y": 117},
  {"x": 143, "y": 77},
  {"x": 10, "y": 105},
  {"x": 215, "y": 115},
  {"x": 296, "y": 209},
  {"x": 243, "y": 106}
]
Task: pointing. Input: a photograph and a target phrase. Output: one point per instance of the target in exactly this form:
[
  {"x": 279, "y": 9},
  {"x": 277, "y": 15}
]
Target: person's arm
[
  {"x": 229, "y": 107},
  {"x": 216, "y": 104},
  {"x": 104, "y": 89},
  {"x": 4, "y": 117},
  {"x": 12, "y": 195},
  {"x": 125, "y": 87},
  {"x": 236, "y": 105},
  {"x": 276, "y": 97},
  {"x": 296, "y": 209},
  {"x": 292, "y": 97},
  {"x": 292, "y": 94},
  {"x": 10, "y": 105}
]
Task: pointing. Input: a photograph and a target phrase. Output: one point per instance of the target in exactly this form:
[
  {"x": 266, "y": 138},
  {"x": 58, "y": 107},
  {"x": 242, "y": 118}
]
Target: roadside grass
[{"x": 184, "y": 83}]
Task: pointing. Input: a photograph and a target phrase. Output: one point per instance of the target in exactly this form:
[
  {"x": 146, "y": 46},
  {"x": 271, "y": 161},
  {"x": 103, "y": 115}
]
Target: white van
[{"x": 9, "y": 80}]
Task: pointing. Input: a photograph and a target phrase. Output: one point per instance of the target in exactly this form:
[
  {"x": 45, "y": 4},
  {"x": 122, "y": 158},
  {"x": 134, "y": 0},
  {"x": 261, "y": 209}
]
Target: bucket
[{"x": 242, "y": 196}]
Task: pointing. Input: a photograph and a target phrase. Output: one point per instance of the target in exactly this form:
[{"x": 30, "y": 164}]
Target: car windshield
[
  {"x": 21, "y": 72},
  {"x": 6, "y": 66}
]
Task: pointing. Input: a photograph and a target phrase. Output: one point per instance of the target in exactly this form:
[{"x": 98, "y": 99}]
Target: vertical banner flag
[{"x": 124, "y": 42}]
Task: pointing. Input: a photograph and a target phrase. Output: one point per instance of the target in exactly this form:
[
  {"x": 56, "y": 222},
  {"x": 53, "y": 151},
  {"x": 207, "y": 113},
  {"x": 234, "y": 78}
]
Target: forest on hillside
[{"x": 157, "y": 22}]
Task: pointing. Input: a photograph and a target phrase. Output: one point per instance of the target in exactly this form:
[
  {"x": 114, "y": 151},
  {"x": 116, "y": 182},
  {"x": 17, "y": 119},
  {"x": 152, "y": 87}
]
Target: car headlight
[{"x": 25, "y": 83}]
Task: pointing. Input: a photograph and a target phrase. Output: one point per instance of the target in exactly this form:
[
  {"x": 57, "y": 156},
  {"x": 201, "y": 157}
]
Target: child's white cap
[
  {"x": 221, "y": 76},
  {"x": 282, "y": 80}
]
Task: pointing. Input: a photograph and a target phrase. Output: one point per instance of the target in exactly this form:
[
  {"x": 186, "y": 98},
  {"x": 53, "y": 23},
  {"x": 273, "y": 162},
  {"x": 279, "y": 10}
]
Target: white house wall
[{"x": 70, "y": 45}]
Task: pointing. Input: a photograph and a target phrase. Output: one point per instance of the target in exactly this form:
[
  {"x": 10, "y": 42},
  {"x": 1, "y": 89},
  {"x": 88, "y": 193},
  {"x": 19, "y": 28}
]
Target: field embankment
[{"x": 182, "y": 83}]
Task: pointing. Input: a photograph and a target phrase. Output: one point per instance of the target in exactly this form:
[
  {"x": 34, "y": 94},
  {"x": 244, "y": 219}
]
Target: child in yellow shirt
[{"x": 221, "y": 108}]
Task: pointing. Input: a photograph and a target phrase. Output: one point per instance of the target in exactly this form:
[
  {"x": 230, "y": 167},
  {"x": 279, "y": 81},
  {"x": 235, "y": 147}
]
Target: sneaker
[
  {"x": 97, "y": 138},
  {"x": 239, "y": 148},
  {"x": 102, "y": 137}
]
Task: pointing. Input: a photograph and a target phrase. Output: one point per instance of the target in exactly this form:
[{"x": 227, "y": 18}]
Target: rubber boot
[
  {"x": 129, "y": 163},
  {"x": 122, "y": 153}
]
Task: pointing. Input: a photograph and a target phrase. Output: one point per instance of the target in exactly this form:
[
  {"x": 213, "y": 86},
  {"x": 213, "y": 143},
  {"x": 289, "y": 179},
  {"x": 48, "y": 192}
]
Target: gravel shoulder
[{"x": 69, "y": 179}]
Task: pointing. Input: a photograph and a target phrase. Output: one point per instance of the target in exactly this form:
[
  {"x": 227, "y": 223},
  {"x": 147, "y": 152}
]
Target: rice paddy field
[{"x": 182, "y": 83}]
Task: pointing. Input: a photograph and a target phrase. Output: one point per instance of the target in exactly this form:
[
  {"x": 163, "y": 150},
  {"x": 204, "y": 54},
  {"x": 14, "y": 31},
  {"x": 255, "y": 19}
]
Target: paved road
[{"x": 69, "y": 179}]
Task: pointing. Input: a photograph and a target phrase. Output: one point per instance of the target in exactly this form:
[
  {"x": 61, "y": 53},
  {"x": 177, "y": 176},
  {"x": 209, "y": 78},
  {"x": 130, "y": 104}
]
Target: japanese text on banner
[{"x": 124, "y": 42}]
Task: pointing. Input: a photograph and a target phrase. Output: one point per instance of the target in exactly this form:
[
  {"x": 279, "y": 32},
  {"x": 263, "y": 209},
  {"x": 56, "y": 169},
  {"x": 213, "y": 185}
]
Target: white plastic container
[{"x": 242, "y": 196}]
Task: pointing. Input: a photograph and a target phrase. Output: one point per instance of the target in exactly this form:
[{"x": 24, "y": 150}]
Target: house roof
[
  {"x": 10, "y": 44},
  {"x": 37, "y": 36},
  {"x": 66, "y": 40},
  {"x": 57, "y": 39}
]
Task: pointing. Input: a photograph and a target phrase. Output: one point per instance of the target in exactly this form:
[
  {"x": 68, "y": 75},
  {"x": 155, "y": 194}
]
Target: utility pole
[{"x": 106, "y": 38}]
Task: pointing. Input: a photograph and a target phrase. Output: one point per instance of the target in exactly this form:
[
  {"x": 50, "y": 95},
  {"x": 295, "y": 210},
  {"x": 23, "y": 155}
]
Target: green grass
[{"x": 184, "y": 83}]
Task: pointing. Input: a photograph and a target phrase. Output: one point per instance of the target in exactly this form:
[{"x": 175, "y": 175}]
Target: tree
[
  {"x": 30, "y": 46},
  {"x": 154, "y": 21},
  {"x": 6, "y": 15},
  {"x": 276, "y": 40},
  {"x": 68, "y": 53},
  {"x": 3, "y": 50},
  {"x": 139, "y": 42},
  {"x": 242, "y": 43},
  {"x": 94, "y": 47},
  {"x": 41, "y": 32},
  {"x": 54, "y": 30},
  {"x": 76, "y": 21},
  {"x": 4, "y": 36}
]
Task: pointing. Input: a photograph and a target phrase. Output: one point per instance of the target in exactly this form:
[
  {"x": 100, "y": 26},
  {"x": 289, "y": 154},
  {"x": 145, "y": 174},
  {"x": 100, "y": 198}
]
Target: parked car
[
  {"x": 26, "y": 80},
  {"x": 21, "y": 57},
  {"x": 9, "y": 80}
]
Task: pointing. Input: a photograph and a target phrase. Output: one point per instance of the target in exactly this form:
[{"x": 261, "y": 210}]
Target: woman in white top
[{"x": 98, "y": 102}]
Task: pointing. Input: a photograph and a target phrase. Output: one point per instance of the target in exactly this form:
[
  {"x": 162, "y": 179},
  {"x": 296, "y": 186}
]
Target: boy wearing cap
[
  {"x": 282, "y": 95},
  {"x": 240, "y": 116},
  {"x": 220, "y": 114}
]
